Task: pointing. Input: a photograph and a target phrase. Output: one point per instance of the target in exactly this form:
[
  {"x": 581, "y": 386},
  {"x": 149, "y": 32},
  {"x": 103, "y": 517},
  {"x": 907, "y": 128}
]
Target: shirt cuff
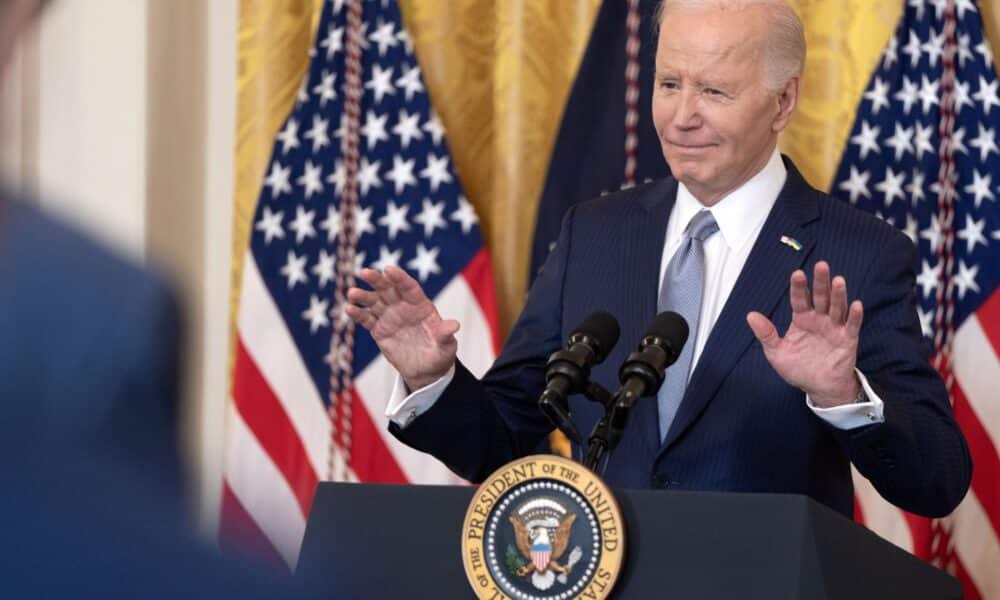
[
  {"x": 850, "y": 416},
  {"x": 403, "y": 409}
]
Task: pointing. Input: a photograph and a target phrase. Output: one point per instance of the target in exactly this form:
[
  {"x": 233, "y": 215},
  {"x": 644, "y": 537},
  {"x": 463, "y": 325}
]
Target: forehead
[{"x": 712, "y": 38}]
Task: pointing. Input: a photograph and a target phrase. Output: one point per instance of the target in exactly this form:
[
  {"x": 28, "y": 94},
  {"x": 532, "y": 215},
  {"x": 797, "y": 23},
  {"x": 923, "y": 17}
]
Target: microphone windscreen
[
  {"x": 603, "y": 328},
  {"x": 669, "y": 326}
]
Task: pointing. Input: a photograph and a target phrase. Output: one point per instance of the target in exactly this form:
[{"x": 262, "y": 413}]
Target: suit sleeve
[
  {"x": 478, "y": 425},
  {"x": 917, "y": 458}
]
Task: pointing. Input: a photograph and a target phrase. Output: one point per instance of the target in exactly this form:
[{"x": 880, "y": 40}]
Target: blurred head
[
  {"x": 726, "y": 84},
  {"x": 15, "y": 17}
]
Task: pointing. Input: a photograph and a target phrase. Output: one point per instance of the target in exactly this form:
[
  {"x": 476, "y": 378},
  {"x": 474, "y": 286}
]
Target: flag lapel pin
[{"x": 792, "y": 242}]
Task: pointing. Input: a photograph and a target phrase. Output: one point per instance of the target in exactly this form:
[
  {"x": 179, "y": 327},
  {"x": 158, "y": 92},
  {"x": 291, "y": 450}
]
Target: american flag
[
  {"x": 923, "y": 155},
  {"x": 360, "y": 176}
]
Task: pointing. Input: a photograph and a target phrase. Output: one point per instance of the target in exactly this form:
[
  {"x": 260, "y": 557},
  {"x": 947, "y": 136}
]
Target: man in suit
[{"x": 727, "y": 242}]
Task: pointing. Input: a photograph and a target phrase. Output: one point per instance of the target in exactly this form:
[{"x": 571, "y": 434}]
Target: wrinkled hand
[
  {"x": 406, "y": 326},
  {"x": 820, "y": 348}
]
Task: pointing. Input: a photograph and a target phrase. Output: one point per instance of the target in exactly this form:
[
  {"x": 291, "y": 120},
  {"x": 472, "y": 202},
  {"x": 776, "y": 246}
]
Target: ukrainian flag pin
[{"x": 789, "y": 241}]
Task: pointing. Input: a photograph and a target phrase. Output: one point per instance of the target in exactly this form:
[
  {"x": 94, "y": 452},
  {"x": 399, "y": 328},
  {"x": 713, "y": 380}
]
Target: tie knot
[{"x": 702, "y": 226}]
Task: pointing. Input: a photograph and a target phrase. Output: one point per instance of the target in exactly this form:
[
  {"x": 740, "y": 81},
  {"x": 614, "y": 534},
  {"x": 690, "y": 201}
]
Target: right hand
[{"x": 406, "y": 326}]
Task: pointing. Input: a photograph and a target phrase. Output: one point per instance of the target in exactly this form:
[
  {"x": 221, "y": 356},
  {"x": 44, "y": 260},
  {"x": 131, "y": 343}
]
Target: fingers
[
  {"x": 798, "y": 291},
  {"x": 838, "y": 300},
  {"x": 445, "y": 330},
  {"x": 361, "y": 316},
  {"x": 764, "y": 330},
  {"x": 385, "y": 288},
  {"x": 854, "y": 318},
  {"x": 366, "y": 299},
  {"x": 407, "y": 287},
  {"x": 821, "y": 288}
]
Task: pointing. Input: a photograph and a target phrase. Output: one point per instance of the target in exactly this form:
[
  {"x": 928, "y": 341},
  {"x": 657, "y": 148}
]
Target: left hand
[{"x": 820, "y": 348}]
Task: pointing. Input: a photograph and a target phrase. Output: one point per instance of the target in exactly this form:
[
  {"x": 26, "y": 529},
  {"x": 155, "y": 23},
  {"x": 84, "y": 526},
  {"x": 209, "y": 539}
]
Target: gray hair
[{"x": 786, "y": 42}]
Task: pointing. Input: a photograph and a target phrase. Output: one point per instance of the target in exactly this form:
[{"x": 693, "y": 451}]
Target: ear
[{"x": 788, "y": 100}]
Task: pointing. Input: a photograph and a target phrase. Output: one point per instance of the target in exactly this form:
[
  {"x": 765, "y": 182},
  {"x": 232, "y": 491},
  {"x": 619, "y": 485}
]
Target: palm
[
  {"x": 406, "y": 326},
  {"x": 819, "y": 351}
]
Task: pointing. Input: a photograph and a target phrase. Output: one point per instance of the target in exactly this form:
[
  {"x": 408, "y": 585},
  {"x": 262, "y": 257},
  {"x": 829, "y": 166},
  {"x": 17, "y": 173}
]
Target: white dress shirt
[{"x": 740, "y": 217}]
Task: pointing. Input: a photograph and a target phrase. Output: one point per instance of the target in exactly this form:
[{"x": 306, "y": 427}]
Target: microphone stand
[{"x": 600, "y": 441}]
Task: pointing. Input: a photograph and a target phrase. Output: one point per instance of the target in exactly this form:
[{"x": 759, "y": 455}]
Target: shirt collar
[{"x": 740, "y": 213}]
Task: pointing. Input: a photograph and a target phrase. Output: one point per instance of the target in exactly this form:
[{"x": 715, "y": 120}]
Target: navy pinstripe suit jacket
[{"x": 740, "y": 427}]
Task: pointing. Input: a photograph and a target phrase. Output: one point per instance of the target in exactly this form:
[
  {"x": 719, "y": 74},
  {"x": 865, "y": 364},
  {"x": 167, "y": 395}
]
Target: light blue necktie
[{"x": 681, "y": 292}]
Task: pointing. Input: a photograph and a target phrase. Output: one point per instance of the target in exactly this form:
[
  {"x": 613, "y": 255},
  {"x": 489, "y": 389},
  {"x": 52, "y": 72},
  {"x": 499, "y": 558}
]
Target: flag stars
[
  {"x": 928, "y": 93},
  {"x": 408, "y": 128},
  {"x": 425, "y": 262},
  {"x": 324, "y": 269},
  {"x": 465, "y": 215},
  {"x": 926, "y": 322},
  {"x": 891, "y": 53},
  {"x": 980, "y": 187},
  {"x": 270, "y": 225},
  {"x": 987, "y": 94},
  {"x": 395, "y": 219},
  {"x": 916, "y": 190},
  {"x": 436, "y": 171},
  {"x": 908, "y": 95},
  {"x": 333, "y": 42},
  {"x": 963, "y": 5},
  {"x": 962, "y": 98},
  {"x": 374, "y": 129},
  {"x": 387, "y": 258},
  {"x": 431, "y": 217},
  {"x": 933, "y": 233},
  {"x": 878, "y": 95},
  {"x": 892, "y": 186},
  {"x": 985, "y": 142},
  {"x": 381, "y": 83},
  {"x": 295, "y": 269},
  {"x": 316, "y": 313},
  {"x": 927, "y": 280},
  {"x": 911, "y": 228},
  {"x": 404, "y": 37},
  {"x": 384, "y": 36},
  {"x": 324, "y": 89},
  {"x": 318, "y": 133},
  {"x": 856, "y": 185},
  {"x": 359, "y": 262},
  {"x": 913, "y": 49},
  {"x": 901, "y": 141},
  {"x": 277, "y": 180},
  {"x": 972, "y": 233},
  {"x": 410, "y": 81},
  {"x": 934, "y": 47},
  {"x": 964, "y": 49},
  {"x": 401, "y": 173},
  {"x": 302, "y": 225},
  {"x": 311, "y": 179},
  {"x": 289, "y": 136},
  {"x": 867, "y": 139},
  {"x": 985, "y": 51},
  {"x": 338, "y": 177},
  {"x": 433, "y": 126},
  {"x": 958, "y": 141},
  {"x": 965, "y": 279},
  {"x": 331, "y": 224},
  {"x": 363, "y": 221},
  {"x": 922, "y": 140},
  {"x": 368, "y": 175}
]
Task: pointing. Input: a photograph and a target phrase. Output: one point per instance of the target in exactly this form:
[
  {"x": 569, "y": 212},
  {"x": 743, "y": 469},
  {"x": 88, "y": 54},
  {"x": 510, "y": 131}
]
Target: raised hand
[
  {"x": 820, "y": 348},
  {"x": 406, "y": 326}
]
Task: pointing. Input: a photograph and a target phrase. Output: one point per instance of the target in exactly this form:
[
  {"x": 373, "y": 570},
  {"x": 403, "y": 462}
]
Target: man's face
[{"x": 716, "y": 121}]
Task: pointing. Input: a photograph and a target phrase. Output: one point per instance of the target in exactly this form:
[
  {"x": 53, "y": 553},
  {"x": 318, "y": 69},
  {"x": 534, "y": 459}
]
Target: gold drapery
[{"x": 499, "y": 72}]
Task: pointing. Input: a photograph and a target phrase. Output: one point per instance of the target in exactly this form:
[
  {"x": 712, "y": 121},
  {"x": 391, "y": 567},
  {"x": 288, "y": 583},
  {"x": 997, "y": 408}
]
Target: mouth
[{"x": 690, "y": 147}]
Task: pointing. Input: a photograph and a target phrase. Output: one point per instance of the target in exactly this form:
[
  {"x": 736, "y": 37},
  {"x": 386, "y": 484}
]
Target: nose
[{"x": 686, "y": 114}]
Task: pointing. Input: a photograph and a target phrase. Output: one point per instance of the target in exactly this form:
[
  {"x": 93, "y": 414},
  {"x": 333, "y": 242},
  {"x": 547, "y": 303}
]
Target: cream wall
[{"x": 119, "y": 115}]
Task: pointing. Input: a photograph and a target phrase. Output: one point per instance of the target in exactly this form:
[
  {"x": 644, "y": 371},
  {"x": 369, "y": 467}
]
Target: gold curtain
[{"x": 499, "y": 72}]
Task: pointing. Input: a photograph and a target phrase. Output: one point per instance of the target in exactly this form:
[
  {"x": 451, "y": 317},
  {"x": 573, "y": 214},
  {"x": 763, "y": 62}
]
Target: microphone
[
  {"x": 642, "y": 373},
  {"x": 568, "y": 371}
]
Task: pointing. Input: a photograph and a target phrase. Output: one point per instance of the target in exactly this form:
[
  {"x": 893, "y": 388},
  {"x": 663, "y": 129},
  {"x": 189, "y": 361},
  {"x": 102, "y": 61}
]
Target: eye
[
  {"x": 668, "y": 84},
  {"x": 713, "y": 92}
]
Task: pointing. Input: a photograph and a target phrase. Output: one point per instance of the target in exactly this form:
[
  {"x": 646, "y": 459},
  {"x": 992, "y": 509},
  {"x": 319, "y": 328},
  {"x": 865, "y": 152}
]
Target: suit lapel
[
  {"x": 762, "y": 283},
  {"x": 650, "y": 227}
]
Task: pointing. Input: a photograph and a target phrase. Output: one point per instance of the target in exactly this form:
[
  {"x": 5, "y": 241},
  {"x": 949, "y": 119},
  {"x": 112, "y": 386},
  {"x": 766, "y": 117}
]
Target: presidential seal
[{"x": 540, "y": 528}]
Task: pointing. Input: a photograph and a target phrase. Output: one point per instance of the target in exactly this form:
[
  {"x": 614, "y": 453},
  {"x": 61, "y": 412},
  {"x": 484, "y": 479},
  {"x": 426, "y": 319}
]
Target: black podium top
[{"x": 380, "y": 541}]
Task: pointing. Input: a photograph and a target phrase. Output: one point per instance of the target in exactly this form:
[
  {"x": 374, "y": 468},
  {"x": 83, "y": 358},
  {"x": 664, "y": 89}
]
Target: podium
[{"x": 386, "y": 541}]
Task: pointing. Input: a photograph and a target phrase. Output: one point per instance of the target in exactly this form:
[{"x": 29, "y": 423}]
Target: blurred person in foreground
[
  {"x": 89, "y": 460},
  {"x": 784, "y": 382}
]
